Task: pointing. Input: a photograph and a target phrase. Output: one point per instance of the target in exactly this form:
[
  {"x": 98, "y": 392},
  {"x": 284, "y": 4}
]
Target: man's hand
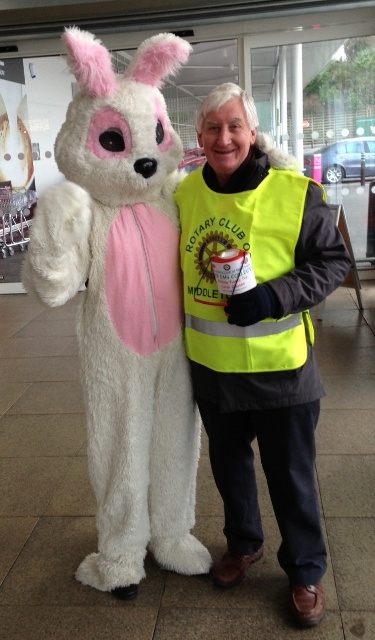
[{"x": 252, "y": 306}]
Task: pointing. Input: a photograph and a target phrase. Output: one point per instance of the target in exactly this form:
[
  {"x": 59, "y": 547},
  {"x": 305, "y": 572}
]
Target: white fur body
[{"x": 143, "y": 432}]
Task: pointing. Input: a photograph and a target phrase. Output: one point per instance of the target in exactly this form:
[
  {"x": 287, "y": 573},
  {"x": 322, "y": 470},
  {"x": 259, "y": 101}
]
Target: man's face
[{"x": 226, "y": 138}]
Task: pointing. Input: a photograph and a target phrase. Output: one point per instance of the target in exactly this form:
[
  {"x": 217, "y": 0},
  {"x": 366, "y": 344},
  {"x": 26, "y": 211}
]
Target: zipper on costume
[{"x": 148, "y": 277}]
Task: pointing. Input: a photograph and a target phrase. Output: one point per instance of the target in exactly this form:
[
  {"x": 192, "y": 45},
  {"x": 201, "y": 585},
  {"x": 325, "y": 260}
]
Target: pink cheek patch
[
  {"x": 160, "y": 115},
  {"x": 103, "y": 120}
]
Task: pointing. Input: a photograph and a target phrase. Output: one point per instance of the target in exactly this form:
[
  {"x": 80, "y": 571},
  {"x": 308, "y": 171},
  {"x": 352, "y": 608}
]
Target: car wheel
[{"x": 333, "y": 174}]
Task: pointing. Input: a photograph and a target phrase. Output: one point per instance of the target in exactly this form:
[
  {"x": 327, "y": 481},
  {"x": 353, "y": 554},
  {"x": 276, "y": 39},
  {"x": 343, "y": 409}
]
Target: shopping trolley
[{"x": 15, "y": 209}]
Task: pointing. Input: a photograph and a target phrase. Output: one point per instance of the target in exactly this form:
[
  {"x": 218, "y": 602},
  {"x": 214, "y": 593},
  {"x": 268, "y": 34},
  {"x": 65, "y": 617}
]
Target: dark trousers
[{"x": 286, "y": 444}]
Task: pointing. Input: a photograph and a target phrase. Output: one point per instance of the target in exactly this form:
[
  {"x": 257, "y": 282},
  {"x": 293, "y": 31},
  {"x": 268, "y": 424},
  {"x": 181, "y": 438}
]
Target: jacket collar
[{"x": 248, "y": 175}]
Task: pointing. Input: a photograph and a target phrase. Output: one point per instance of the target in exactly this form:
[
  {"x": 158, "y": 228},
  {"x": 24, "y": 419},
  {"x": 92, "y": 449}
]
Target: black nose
[{"x": 146, "y": 167}]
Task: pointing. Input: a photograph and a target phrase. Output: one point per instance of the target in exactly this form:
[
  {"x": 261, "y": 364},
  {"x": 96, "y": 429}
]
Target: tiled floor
[{"x": 47, "y": 511}]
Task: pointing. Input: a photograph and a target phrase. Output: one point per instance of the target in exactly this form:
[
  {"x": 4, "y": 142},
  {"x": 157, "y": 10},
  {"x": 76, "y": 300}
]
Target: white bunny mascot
[{"x": 114, "y": 224}]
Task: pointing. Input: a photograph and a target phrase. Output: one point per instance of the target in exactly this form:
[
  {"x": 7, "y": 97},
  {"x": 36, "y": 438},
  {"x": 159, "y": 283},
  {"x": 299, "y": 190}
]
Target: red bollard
[{"x": 370, "y": 250}]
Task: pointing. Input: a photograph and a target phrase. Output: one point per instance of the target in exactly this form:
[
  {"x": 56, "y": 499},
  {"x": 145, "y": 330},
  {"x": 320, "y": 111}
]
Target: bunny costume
[{"x": 113, "y": 224}]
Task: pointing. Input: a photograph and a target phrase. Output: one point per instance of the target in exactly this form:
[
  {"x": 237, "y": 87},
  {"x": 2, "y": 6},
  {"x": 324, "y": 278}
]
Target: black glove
[{"x": 252, "y": 306}]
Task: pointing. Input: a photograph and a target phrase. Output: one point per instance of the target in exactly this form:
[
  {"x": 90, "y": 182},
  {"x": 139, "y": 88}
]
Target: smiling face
[{"x": 226, "y": 138}]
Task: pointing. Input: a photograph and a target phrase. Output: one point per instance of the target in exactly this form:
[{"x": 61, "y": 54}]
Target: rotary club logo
[{"x": 210, "y": 246}]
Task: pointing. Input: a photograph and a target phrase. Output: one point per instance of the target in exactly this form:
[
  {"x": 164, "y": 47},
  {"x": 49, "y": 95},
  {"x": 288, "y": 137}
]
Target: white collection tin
[{"x": 233, "y": 271}]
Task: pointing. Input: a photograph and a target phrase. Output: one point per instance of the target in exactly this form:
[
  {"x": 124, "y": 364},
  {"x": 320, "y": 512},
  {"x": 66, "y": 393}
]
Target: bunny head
[{"x": 117, "y": 141}]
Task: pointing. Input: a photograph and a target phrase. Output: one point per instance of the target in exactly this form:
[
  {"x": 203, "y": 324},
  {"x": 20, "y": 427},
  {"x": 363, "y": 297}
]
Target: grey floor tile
[
  {"x": 43, "y": 573},
  {"x": 343, "y": 431},
  {"x": 360, "y": 624},
  {"x": 34, "y": 347},
  {"x": 47, "y": 523},
  {"x": 73, "y": 496},
  {"x": 71, "y": 349},
  {"x": 50, "y": 397},
  {"x": 340, "y": 317},
  {"x": 79, "y": 622},
  {"x": 31, "y": 369},
  {"x": 346, "y": 338},
  {"x": 226, "y": 623},
  {"x": 10, "y": 392},
  {"x": 40, "y": 328},
  {"x": 352, "y": 544},
  {"x": 368, "y": 294},
  {"x": 42, "y": 435},
  {"x": 337, "y": 360},
  {"x": 27, "y": 484},
  {"x": 342, "y": 298},
  {"x": 13, "y": 534},
  {"x": 349, "y": 392},
  {"x": 59, "y": 368},
  {"x": 9, "y": 327},
  {"x": 347, "y": 485}
]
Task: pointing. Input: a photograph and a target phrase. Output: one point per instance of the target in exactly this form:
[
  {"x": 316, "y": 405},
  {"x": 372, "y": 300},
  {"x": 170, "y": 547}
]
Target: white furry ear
[
  {"x": 157, "y": 58},
  {"x": 278, "y": 158},
  {"x": 90, "y": 62}
]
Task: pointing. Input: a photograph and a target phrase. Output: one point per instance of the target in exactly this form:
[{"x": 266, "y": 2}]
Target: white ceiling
[{"x": 212, "y": 63}]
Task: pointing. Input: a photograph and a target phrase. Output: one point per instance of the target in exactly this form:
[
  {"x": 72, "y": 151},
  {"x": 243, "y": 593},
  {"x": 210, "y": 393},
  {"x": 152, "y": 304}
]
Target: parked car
[{"x": 343, "y": 159}]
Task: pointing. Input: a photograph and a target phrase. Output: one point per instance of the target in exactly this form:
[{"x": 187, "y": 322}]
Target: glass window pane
[{"x": 337, "y": 93}]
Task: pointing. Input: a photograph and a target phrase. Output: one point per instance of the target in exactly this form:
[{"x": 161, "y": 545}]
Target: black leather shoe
[
  {"x": 231, "y": 569},
  {"x": 125, "y": 593},
  {"x": 307, "y": 604}
]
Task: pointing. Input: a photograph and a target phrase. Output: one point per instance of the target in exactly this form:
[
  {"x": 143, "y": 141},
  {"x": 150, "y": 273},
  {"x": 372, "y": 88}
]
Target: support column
[
  {"x": 277, "y": 109},
  {"x": 297, "y": 103},
  {"x": 283, "y": 99},
  {"x": 244, "y": 63}
]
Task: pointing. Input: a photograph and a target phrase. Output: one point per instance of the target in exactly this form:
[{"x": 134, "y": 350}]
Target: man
[{"x": 252, "y": 361}]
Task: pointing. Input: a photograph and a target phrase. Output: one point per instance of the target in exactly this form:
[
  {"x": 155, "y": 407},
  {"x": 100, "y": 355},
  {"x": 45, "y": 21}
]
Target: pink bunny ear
[
  {"x": 90, "y": 62},
  {"x": 157, "y": 58}
]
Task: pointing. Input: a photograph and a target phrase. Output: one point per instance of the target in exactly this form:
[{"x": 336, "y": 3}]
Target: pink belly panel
[{"x": 143, "y": 279}]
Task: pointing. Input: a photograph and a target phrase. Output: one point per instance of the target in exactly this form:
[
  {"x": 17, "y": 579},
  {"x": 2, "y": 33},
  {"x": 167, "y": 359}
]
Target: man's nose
[{"x": 224, "y": 136}]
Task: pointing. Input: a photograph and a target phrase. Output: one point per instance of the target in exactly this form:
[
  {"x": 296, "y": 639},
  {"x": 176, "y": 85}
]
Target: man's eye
[
  {"x": 112, "y": 140},
  {"x": 159, "y": 133}
]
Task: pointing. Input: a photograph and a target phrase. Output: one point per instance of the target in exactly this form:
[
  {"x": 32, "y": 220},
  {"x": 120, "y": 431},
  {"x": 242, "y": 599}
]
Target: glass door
[{"x": 326, "y": 118}]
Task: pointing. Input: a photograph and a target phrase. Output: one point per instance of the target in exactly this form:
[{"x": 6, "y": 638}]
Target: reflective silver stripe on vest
[{"x": 258, "y": 330}]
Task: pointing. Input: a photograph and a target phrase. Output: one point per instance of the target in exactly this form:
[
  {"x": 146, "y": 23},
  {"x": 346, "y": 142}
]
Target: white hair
[{"x": 220, "y": 96}]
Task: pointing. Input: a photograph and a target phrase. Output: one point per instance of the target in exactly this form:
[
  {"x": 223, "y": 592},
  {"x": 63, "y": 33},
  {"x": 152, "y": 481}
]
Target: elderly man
[{"x": 251, "y": 353}]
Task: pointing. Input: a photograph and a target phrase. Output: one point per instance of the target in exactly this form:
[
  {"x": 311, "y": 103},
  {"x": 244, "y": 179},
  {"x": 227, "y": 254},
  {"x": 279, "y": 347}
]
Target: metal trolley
[{"x": 15, "y": 209}]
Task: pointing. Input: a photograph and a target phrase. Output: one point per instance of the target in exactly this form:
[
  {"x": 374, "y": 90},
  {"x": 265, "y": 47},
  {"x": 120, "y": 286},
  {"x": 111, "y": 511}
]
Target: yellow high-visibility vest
[{"x": 266, "y": 222}]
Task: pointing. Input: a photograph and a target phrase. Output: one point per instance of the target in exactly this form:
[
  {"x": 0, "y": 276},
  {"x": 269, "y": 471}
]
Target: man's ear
[{"x": 199, "y": 138}]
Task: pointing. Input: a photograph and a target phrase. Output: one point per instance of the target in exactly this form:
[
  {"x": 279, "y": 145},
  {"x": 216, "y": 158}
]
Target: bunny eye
[
  {"x": 112, "y": 140},
  {"x": 159, "y": 133}
]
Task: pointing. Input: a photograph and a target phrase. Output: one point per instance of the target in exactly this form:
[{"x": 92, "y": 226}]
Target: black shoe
[{"x": 125, "y": 593}]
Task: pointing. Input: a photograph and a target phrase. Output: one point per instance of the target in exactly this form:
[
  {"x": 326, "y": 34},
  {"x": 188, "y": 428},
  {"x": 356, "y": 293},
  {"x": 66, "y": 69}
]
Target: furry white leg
[
  {"x": 119, "y": 432},
  {"x": 88, "y": 573},
  {"x": 174, "y": 458},
  {"x": 94, "y": 571},
  {"x": 185, "y": 555}
]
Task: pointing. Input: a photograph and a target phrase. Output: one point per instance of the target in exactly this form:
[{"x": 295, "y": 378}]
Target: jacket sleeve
[{"x": 321, "y": 259}]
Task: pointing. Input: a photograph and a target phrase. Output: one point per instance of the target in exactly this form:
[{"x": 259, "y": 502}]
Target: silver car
[{"x": 343, "y": 159}]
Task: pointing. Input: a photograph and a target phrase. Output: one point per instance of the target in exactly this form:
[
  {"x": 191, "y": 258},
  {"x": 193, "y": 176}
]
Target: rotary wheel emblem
[{"x": 211, "y": 244}]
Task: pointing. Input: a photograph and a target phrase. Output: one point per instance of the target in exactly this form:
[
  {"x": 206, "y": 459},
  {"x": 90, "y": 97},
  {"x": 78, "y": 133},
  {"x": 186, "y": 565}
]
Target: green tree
[{"x": 350, "y": 80}]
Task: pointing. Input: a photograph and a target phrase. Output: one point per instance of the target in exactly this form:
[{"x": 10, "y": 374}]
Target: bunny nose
[{"x": 146, "y": 167}]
